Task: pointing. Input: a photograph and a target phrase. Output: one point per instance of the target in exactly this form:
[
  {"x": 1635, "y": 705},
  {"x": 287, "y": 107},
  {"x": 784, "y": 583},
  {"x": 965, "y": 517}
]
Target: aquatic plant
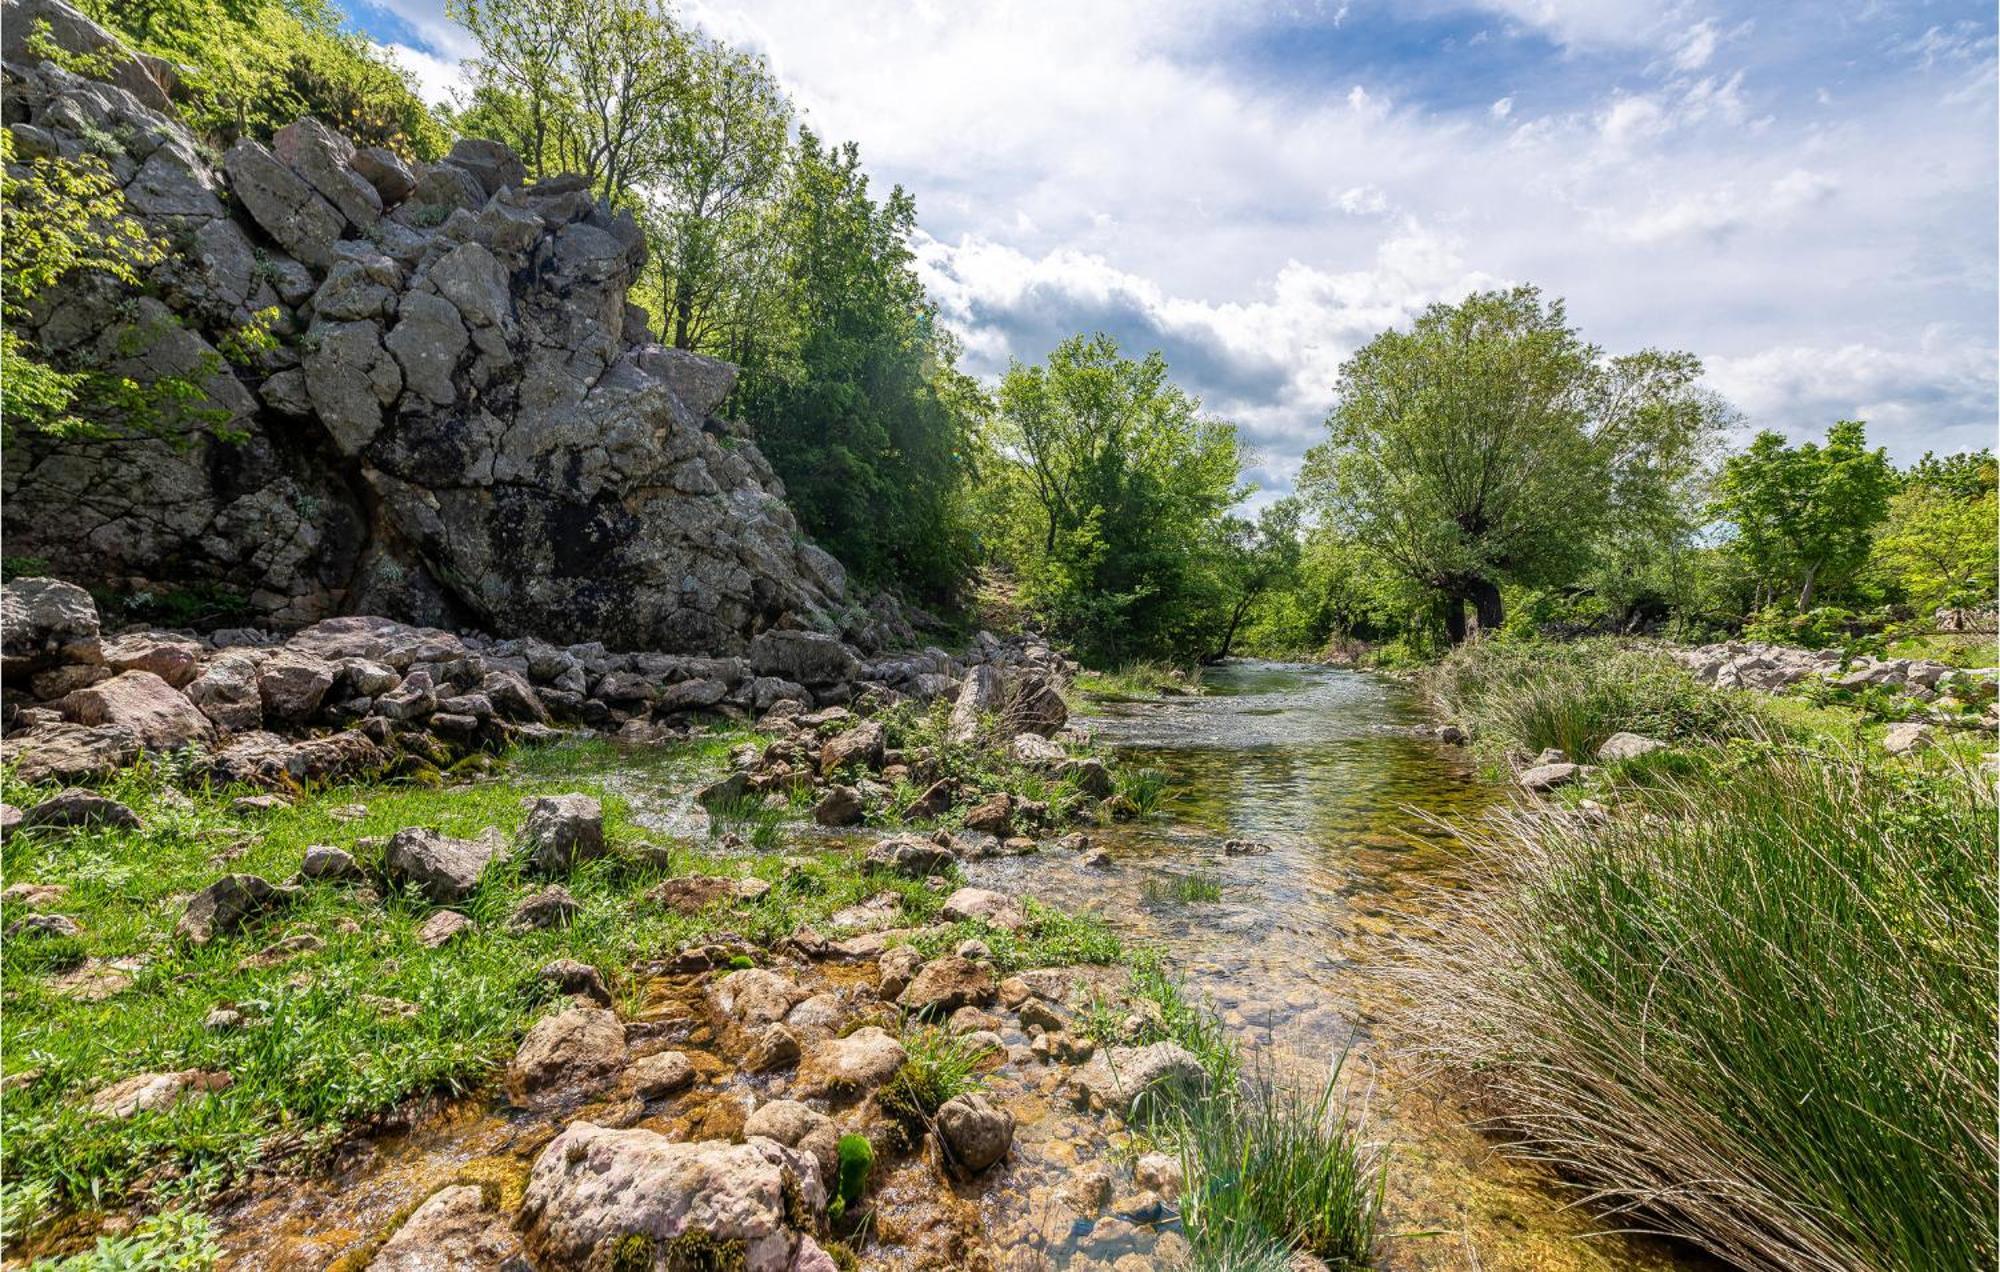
[
  {"x": 1756, "y": 1012},
  {"x": 1139, "y": 791},
  {"x": 1182, "y": 889}
]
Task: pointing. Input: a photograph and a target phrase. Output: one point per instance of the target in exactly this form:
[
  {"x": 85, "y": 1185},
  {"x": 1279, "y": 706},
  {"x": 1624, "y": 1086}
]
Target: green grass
[
  {"x": 1141, "y": 679},
  {"x": 322, "y": 1056},
  {"x": 1755, "y": 1008},
  {"x": 940, "y": 1065},
  {"x": 1182, "y": 889},
  {"x": 1273, "y": 1169},
  {"x": 1052, "y": 938},
  {"x": 979, "y": 767},
  {"x": 1526, "y": 697}
]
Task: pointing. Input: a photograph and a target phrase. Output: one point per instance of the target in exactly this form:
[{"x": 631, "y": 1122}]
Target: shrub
[{"x": 1757, "y": 1013}]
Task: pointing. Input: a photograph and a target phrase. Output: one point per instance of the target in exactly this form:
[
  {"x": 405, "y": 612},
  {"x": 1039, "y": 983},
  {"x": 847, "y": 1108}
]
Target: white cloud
[
  {"x": 1362, "y": 200},
  {"x": 1723, "y": 210},
  {"x": 1937, "y": 392},
  {"x": 1502, "y": 108},
  {"x": 1696, "y": 47},
  {"x": 437, "y": 79}
]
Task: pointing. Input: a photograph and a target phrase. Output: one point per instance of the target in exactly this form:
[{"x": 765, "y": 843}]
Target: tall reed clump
[
  {"x": 1528, "y": 697},
  {"x": 1758, "y": 1013},
  {"x": 1273, "y": 1169}
]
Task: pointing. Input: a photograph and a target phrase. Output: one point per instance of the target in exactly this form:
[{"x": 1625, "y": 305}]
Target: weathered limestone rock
[
  {"x": 78, "y": 807},
  {"x": 62, "y": 752},
  {"x": 1627, "y": 746},
  {"x": 943, "y": 985},
  {"x": 46, "y": 623},
  {"x": 752, "y": 996},
  {"x": 228, "y": 904},
  {"x": 812, "y": 659},
  {"x": 172, "y": 659},
  {"x": 154, "y": 1092},
  {"x": 851, "y": 1066},
  {"x": 227, "y": 693},
  {"x": 593, "y": 1189},
  {"x": 1905, "y": 738},
  {"x": 549, "y": 907},
  {"x": 975, "y": 1131},
  {"x": 992, "y": 908},
  {"x": 799, "y": 1126},
  {"x": 561, "y": 831},
  {"x": 909, "y": 856},
  {"x": 1546, "y": 777},
  {"x": 1119, "y": 1078},
  {"x": 662, "y": 1073}
]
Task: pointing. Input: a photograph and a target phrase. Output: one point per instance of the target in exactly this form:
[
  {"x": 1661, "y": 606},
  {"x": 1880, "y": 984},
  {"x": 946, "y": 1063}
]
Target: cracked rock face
[{"x": 456, "y": 427}]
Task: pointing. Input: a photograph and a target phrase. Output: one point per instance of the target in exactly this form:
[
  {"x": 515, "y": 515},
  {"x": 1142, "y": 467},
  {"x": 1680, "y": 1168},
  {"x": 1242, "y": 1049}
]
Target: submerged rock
[
  {"x": 454, "y": 1228},
  {"x": 566, "y": 1050},
  {"x": 975, "y": 1131},
  {"x": 1119, "y": 1079}
]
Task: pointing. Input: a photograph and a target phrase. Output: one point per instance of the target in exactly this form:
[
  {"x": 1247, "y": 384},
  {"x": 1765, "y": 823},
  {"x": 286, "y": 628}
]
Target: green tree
[
  {"x": 1938, "y": 542},
  {"x": 1260, "y": 559},
  {"x": 709, "y": 205},
  {"x": 1804, "y": 516},
  {"x": 852, "y": 384},
  {"x": 1490, "y": 445},
  {"x": 1122, "y": 483},
  {"x": 595, "y": 87}
]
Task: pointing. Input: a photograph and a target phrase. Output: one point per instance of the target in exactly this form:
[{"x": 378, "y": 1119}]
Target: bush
[
  {"x": 1531, "y": 696},
  {"x": 1755, "y": 1012}
]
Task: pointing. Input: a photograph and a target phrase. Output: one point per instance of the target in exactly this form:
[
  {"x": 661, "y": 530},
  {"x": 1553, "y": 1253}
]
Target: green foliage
[
  {"x": 249, "y": 67},
  {"x": 1107, "y": 488},
  {"x": 1529, "y": 696},
  {"x": 1182, "y": 889},
  {"x": 1490, "y": 444},
  {"x": 1755, "y": 1006},
  {"x": 1803, "y": 515},
  {"x": 171, "y": 1241},
  {"x": 1937, "y": 541}
]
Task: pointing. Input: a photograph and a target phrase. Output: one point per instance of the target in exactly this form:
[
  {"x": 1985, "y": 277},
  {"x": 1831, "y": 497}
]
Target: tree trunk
[
  {"x": 1806, "y": 592},
  {"x": 1486, "y": 603},
  {"x": 1454, "y": 619},
  {"x": 1229, "y": 635}
]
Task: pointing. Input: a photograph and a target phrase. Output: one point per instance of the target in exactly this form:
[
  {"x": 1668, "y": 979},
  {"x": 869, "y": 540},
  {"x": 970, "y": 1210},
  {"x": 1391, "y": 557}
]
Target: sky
[{"x": 1803, "y": 194}]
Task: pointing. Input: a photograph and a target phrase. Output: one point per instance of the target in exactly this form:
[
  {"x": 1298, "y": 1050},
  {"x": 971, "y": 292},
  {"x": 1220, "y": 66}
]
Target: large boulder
[
  {"x": 515, "y": 453},
  {"x": 813, "y": 659},
  {"x": 561, "y": 831},
  {"x": 595, "y": 1190},
  {"x": 152, "y": 710},
  {"x": 46, "y": 623},
  {"x": 228, "y": 904}
]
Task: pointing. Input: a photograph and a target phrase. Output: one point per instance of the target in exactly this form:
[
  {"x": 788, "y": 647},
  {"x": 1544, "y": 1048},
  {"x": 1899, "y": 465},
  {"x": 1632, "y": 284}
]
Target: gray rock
[
  {"x": 385, "y": 170},
  {"x": 445, "y": 870},
  {"x": 227, "y": 693},
  {"x": 228, "y": 904},
  {"x": 442, "y": 928},
  {"x": 152, "y": 710},
  {"x": 573, "y": 1048},
  {"x": 291, "y": 685},
  {"x": 561, "y": 831},
  {"x": 943, "y": 985},
  {"x": 496, "y": 166},
  {"x": 808, "y": 658},
  {"x": 171, "y": 658},
  {"x": 593, "y": 1187},
  {"x": 1906, "y": 738},
  {"x": 909, "y": 856},
  {"x": 1547, "y": 777},
  {"x": 1627, "y": 746},
  {"x": 456, "y": 1227},
  {"x": 289, "y": 210},
  {"x": 323, "y": 861},
  {"x": 570, "y": 976},
  {"x": 1122, "y": 1079},
  {"x": 46, "y": 623},
  {"x": 662, "y": 1073},
  {"x": 549, "y": 907},
  {"x": 78, "y": 807},
  {"x": 851, "y": 1066},
  {"x": 323, "y": 158}
]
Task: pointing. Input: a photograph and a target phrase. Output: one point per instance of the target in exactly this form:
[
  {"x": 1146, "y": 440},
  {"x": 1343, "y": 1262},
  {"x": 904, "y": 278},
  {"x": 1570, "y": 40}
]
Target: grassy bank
[
  {"x": 348, "y": 1013},
  {"x": 1752, "y": 1005}
]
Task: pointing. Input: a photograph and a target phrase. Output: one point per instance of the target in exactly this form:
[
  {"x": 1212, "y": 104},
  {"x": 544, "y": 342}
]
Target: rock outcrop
[{"x": 462, "y": 422}]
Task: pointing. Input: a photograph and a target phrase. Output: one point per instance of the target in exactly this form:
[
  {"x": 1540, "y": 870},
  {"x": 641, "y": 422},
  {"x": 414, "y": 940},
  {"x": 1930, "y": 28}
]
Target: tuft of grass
[
  {"x": 1139, "y": 791},
  {"x": 171, "y": 1241},
  {"x": 940, "y": 1065},
  {"x": 1052, "y": 938},
  {"x": 1755, "y": 1011},
  {"x": 1182, "y": 889},
  {"x": 1143, "y": 678},
  {"x": 1273, "y": 1169},
  {"x": 1528, "y": 696}
]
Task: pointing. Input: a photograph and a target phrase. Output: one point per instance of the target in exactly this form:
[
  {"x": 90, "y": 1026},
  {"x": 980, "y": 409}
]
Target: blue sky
[{"x": 1802, "y": 194}]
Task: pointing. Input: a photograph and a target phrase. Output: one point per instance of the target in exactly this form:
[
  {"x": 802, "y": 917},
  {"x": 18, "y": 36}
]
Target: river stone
[
  {"x": 895, "y": 970},
  {"x": 752, "y": 996},
  {"x": 454, "y": 1228},
  {"x": 909, "y": 856},
  {"x": 572, "y": 1048},
  {"x": 943, "y": 985},
  {"x": 571, "y": 976},
  {"x": 983, "y": 906},
  {"x": 861, "y": 745},
  {"x": 1037, "y": 752},
  {"x": 154, "y": 1092},
  {"x": 561, "y": 831},
  {"x": 662, "y": 1073},
  {"x": 851, "y": 1066},
  {"x": 593, "y": 1188},
  {"x": 796, "y": 1125},
  {"x": 976, "y": 1132},
  {"x": 46, "y": 623},
  {"x": 155, "y": 712},
  {"x": 443, "y": 869},
  {"x": 775, "y": 1047},
  {"x": 1627, "y": 746},
  {"x": 78, "y": 807}
]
